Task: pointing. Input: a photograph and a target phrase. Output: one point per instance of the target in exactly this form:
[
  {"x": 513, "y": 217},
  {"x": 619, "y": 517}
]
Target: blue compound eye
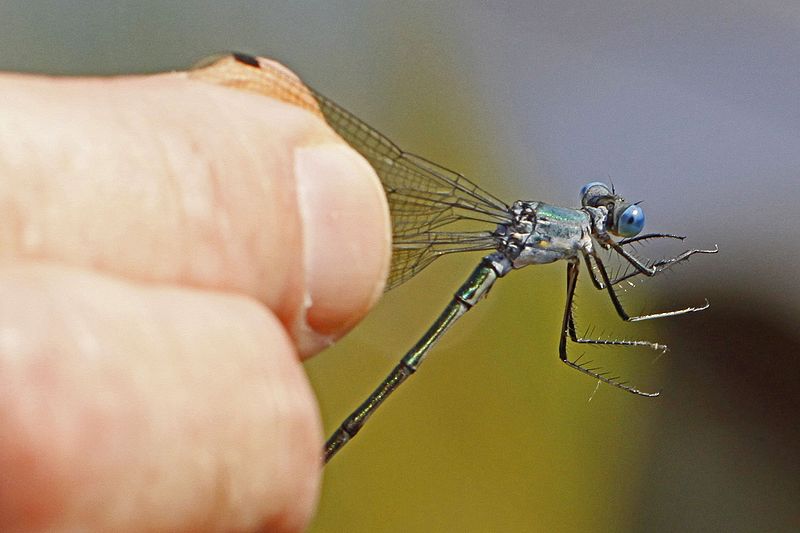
[
  {"x": 596, "y": 189},
  {"x": 630, "y": 222}
]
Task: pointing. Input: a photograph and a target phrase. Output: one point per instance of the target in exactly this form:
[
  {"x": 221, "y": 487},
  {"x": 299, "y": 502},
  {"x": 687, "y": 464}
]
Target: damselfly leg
[
  {"x": 607, "y": 284},
  {"x": 568, "y": 331}
]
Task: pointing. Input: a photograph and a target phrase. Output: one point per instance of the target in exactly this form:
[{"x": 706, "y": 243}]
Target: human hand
[{"x": 169, "y": 252}]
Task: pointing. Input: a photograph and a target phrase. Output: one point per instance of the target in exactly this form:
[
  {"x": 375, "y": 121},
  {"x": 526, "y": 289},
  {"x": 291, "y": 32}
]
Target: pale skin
[{"x": 170, "y": 252}]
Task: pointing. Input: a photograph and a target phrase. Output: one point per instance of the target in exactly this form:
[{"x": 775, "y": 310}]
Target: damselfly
[{"x": 427, "y": 200}]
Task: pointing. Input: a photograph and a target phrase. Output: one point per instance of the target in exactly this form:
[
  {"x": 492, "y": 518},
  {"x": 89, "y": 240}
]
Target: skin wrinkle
[
  {"x": 219, "y": 217},
  {"x": 173, "y": 151},
  {"x": 180, "y": 223},
  {"x": 285, "y": 197},
  {"x": 300, "y": 325},
  {"x": 253, "y": 243},
  {"x": 204, "y": 223},
  {"x": 187, "y": 178},
  {"x": 258, "y": 188}
]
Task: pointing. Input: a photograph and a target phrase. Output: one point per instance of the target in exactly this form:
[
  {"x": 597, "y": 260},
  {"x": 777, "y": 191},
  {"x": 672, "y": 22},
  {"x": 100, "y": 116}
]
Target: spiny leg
[
  {"x": 572, "y": 281},
  {"x": 573, "y": 335},
  {"x": 664, "y": 264},
  {"x": 639, "y": 265},
  {"x": 648, "y": 236},
  {"x": 625, "y": 242},
  {"x": 652, "y": 269},
  {"x": 612, "y": 293}
]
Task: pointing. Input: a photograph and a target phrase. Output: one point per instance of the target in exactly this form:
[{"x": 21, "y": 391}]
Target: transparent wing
[{"x": 433, "y": 209}]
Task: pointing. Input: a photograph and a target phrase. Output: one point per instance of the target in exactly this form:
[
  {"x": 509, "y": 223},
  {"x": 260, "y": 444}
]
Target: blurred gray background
[{"x": 691, "y": 106}]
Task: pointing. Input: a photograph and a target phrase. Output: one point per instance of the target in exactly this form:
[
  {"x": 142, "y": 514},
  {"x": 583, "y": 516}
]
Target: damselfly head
[{"x": 624, "y": 219}]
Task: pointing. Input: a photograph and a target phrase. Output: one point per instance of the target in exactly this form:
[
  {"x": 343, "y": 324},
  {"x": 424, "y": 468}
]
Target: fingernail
[{"x": 347, "y": 236}]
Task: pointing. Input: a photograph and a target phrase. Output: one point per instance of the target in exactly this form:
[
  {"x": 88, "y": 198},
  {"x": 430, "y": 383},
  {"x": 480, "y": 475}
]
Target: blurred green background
[{"x": 691, "y": 106}]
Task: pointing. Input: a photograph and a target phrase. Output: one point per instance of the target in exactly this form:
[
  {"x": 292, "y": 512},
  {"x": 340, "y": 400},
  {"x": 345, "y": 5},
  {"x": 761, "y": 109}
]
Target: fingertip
[
  {"x": 210, "y": 200},
  {"x": 346, "y": 241}
]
